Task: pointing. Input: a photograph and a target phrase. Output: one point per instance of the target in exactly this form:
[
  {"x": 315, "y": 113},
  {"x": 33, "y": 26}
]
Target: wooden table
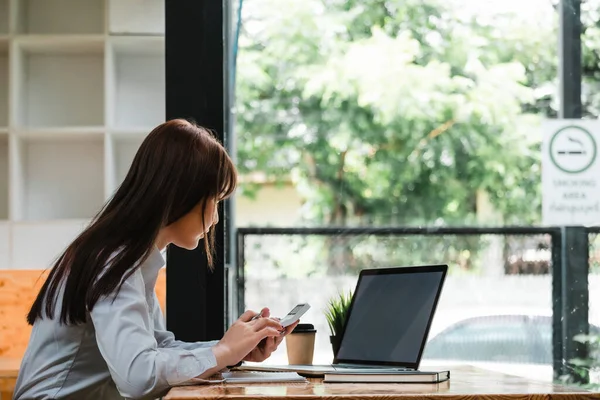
[
  {"x": 9, "y": 368},
  {"x": 466, "y": 383}
]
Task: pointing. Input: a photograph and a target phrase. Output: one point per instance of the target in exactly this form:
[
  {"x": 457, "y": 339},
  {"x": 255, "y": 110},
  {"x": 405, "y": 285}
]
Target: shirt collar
[{"x": 152, "y": 265}]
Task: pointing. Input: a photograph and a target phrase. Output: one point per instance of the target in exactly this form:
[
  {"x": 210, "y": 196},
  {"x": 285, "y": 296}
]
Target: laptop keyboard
[{"x": 360, "y": 366}]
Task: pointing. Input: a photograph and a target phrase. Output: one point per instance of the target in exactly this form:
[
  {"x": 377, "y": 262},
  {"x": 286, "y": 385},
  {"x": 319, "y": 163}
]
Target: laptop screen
[{"x": 390, "y": 316}]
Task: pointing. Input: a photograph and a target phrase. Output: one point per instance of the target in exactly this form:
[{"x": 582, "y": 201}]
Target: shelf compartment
[
  {"x": 60, "y": 16},
  {"x": 4, "y": 18},
  {"x": 50, "y": 239},
  {"x": 4, "y": 177},
  {"x": 136, "y": 82},
  {"x": 5, "y": 245},
  {"x": 3, "y": 81},
  {"x": 56, "y": 179},
  {"x": 136, "y": 17},
  {"x": 58, "y": 82},
  {"x": 122, "y": 150}
]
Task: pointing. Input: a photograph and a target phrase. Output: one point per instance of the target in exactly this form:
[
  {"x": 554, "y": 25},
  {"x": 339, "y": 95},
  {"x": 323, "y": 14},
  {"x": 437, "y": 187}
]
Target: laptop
[{"x": 387, "y": 323}]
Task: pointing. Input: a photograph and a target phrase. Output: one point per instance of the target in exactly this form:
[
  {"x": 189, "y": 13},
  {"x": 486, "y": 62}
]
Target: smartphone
[{"x": 294, "y": 315}]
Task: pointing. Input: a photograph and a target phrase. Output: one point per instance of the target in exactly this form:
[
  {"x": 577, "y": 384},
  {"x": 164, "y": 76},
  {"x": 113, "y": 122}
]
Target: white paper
[{"x": 252, "y": 376}]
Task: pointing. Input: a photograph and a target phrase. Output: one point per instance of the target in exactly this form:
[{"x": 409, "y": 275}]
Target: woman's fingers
[
  {"x": 268, "y": 346},
  {"x": 265, "y": 312},
  {"x": 278, "y": 340},
  {"x": 290, "y": 328},
  {"x": 247, "y": 316},
  {"x": 263, "y": 323},
  {"x": 265, "y": 348},
  {"x": 273, "y": 343},
  {"x": 268, "y": 333}
]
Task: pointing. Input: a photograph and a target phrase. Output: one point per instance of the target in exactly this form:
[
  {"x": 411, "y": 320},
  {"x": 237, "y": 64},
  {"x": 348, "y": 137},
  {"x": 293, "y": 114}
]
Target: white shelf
[
  {"x": 61, "y": 44},
  {"x": 59, "y": 16},
  {"x": 3, "y": 80},
  {"x": 122, "y": 149},
  {"x": 4, "y": 18},
  {"x": 58, "y": 83},
  {"x": 136, "y": 78},
  {"x": 75, "y": 132},
  {"x": 59, "y": 179},
  {"x": 3, "y": 177},
  {"x": 81, "y": 85},
  {"x": 143, "y": 17},
  {"x": 139, "y": 131},
  {"x": 5, "y": 244},
  {"x": 48, "y": 238}
]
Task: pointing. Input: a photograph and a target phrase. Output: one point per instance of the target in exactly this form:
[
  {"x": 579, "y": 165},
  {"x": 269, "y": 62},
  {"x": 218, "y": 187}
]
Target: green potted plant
[{"x": 336, "y": 312}]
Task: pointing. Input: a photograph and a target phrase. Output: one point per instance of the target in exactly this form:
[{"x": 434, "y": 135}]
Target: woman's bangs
[{"x": 227, "y": 178}]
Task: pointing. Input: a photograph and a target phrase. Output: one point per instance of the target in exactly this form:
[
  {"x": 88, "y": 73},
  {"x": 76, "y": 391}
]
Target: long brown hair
[{"x": 178, "y": 166}]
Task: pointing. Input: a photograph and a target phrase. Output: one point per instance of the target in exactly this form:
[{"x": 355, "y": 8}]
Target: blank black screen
[{"x": 389, "y": 317}]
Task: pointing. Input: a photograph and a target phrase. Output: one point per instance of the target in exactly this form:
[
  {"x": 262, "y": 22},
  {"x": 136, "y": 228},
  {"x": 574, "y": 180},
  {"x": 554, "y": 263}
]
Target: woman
[{"x": 98, "y": 331}]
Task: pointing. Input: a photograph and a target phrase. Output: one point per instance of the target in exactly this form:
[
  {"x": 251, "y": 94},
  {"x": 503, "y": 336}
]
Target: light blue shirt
[{"x": 122, "y": 351}]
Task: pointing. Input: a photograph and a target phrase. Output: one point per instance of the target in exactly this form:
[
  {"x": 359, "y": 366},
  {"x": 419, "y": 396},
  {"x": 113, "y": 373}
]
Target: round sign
[{"x": 572, "y": 149}]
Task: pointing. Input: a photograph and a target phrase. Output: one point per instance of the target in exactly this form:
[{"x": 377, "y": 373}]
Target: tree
[
  {"x": 590, "y": 43},
  {"x": 394, "y": 112}
]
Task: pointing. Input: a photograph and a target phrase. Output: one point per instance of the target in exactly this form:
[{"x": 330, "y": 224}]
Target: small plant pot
[{"x": 335, "y": 344}]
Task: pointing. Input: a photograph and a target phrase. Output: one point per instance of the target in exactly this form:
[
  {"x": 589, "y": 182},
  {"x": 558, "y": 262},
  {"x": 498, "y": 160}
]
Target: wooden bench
[{"x": 18, "y": 289}]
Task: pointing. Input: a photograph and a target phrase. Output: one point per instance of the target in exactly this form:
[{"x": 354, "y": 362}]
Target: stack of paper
[{"x": 251, "y": 376}]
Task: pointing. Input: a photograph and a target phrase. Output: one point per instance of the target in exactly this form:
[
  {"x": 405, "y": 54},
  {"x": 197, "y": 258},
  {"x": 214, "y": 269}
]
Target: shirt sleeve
[
  {"x": 137, "y": 365},
  {"x": 166, "y": 339}
]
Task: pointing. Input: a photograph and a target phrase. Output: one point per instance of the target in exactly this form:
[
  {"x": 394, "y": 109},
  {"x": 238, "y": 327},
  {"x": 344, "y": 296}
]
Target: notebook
[
  {"x": 387, "y": 323},
  {"x": 393, "y": 377}
]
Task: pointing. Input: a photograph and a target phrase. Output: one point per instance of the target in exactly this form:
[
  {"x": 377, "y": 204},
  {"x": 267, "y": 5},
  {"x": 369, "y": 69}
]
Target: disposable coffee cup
[{"x": 300, "y": 344}]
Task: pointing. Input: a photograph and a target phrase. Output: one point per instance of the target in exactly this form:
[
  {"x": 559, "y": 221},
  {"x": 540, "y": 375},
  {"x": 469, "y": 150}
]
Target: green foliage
[
  {"x": 403, "y": 112},
  {"x": 394, "y": 112},
  {"x": 584, "y": 368},
  {"x": 336, "y": 312},
  {"x": 315, "y": 256}
]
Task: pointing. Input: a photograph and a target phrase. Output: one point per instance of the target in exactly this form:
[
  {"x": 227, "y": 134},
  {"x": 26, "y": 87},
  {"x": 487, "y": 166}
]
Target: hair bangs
[{"x": 227, "y": 178}]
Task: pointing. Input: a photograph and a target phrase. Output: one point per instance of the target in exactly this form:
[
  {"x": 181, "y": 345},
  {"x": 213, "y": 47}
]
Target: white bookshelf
[
  {"x": 40, "y": 243},
  {"x": 58, "y": 81},
  {"x": 4, "y": 17},
  {"x": 3, "y": 82},
  {"x": 61, "y": 178},
  {"x": 5, "y": 243},
  {"x": 59, "y": 16},
  {"x": 4, "y": 210},
  {"x": 136, "y": 76},
  {"x": 81, "y": 84},
  {"x": 122, "y": 149},
  {"x": 136, "y": 17}
]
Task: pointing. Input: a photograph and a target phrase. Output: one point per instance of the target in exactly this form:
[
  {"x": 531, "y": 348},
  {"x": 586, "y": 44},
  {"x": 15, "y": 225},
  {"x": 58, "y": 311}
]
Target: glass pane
[
  {"x": 494, "y": 306},
  {"x": 404, "y": 113}
]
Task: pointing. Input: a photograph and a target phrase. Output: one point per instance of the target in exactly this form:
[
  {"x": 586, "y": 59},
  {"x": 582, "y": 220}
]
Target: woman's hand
[
  {"x": 269, "y": 344},
  {"x": 243, "y": 337}
]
